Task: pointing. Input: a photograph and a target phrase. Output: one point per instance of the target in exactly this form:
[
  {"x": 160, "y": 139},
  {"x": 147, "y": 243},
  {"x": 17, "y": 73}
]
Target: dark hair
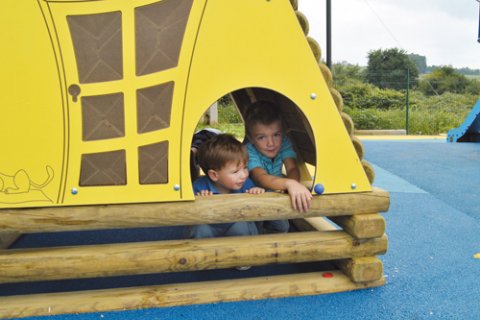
[
  {"x": 219, "y": 150},
  {"x": 263, "y": 112}
]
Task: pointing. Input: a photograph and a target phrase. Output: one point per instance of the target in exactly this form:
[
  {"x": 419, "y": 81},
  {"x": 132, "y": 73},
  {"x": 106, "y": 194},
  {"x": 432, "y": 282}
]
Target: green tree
[
  {"x": 345, "y": 72},
  {"x": 420, "y": 62},
  {"x": 388, "y": 69},
  {"x": 444, "y": 79},
  {"x": 473, "y": 87},
  {"x": 360, "y": 95}
]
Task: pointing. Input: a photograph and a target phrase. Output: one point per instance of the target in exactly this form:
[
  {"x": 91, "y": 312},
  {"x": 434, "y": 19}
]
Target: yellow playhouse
[{"x": 99, "y": 104}]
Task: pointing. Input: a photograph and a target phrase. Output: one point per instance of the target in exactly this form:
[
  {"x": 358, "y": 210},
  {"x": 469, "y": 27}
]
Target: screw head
[
  {"x": 353, "y": 186},
  {"x": 176, "y": 187},
  {"x": 313, "y": 96},
  {"x": 74, "y": 191}
]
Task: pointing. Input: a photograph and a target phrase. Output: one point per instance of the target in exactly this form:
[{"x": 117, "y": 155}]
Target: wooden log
[
  {"x": 362, "y": 226},
  {"x": 368, "y": 168},
  {"x": 179, "y": 294},
  {"x": 358, "y": 269},
  {"x": 7, "y": 238},
  {"x": 217, "y": 209},
  {"x": 357, "y": 144},
  {"x": 347, "y": 122},
  {"x": 314, "y": 224},
  {"x": 23, "y": 265},
  {"x": 362, "y": 269}
]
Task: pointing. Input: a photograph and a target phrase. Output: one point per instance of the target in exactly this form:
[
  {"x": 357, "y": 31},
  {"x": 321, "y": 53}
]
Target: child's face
[
  {"x": 267, "y": 138},
  {"x": 231, "y": 177}
]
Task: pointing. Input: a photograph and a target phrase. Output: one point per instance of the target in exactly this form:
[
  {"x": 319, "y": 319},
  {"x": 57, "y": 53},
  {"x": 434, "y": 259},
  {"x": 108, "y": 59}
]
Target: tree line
[{"x": 375, "y": 96}]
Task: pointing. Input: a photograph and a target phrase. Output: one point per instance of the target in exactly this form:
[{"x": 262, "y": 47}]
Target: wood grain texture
[
  {"x": 179, "y": 294},
  {"x": 362, "y": 226},
  {"x": 358, "y": 269},
  {"x": 7, "y": 238},
  {"x": 24, "y": 265},
  {"x": 362, "y": 269},
  {"x": 221, "y": 208}
]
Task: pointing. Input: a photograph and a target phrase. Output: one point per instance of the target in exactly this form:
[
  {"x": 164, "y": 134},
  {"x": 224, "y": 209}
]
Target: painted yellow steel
[
  {"x": 133, "y": 191},
  {"x": 228, "y": 45},
  {"x": 32, "y": 131},
  {"x": 252, "y": 43}
]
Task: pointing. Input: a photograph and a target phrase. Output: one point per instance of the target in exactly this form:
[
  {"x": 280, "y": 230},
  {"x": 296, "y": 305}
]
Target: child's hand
[
  {"x": 300, "y": 196},
  {"x": 255, "y": 190},
  {"x": 204, "y": 193}
]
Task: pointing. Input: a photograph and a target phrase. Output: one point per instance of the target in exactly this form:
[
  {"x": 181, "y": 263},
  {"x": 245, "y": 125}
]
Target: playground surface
[{"x": 433, "y": 261}]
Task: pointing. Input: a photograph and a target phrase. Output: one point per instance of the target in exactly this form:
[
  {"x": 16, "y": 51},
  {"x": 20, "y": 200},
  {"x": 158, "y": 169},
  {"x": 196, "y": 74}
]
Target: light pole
[
  {"x": 329, "y": 34},
  {"x": 478, "y": 38}
]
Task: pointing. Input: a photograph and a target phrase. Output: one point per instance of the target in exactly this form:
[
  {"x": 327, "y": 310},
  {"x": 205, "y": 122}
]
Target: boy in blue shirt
[
  {"x": 224, "y": 161},
  {"x": 269, "y": 149}
]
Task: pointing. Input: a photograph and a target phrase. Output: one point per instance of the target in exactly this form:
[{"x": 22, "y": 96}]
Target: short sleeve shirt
[
  {"x": 204, "y": 183},
  {"x": 271, "y": 166}
]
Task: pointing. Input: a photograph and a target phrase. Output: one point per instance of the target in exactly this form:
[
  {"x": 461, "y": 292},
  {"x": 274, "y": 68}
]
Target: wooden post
[
  {"x": 211, "y": 116},
  {"x": 358, "y": 269},
  {"x": 362, "y": 269},
  {"x": 362, "y": 226}
]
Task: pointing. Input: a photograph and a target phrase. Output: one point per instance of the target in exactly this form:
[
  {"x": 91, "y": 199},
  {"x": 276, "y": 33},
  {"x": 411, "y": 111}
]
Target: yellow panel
[
  {"x": 240, "y": 44},
  {"x": 43, "y": 130},
  {"x": 251, "y": 43},
  {"x": 127, "y": 85},
  {"x": 32, "y": 131}
]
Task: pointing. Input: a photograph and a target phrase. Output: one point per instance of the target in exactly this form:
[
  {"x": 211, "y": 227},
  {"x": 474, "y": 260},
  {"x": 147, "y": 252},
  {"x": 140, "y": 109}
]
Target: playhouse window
[{"x": 296, "y": 126}]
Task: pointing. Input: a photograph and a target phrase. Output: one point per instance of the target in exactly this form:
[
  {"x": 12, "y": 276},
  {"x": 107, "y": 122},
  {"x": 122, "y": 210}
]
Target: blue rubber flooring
[{"x": 433, "y": 227}]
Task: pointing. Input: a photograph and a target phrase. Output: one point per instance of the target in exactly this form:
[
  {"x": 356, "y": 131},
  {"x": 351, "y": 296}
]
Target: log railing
[{"x": 352, "y": 245}]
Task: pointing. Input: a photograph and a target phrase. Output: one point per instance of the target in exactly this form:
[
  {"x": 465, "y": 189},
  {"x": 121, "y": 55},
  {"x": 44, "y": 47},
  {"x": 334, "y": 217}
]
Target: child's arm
[
  {"x": 292, "y": 169},
  {"x": 298, "y": 192},
  {"x": 300, "y": 196}
]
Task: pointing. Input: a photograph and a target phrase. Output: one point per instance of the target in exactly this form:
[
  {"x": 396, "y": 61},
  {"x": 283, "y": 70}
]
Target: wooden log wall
[
  {"x": 353, "y": 247},
  {"x": 364, "y": 228}
]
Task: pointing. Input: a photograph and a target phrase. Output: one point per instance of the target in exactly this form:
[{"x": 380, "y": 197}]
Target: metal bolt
[
  {"x": 74, "y": 191},
  {"x": 176, "y": 187},
  {"x": 313, "y": 96},
  {"x": 353, "y": 186}
]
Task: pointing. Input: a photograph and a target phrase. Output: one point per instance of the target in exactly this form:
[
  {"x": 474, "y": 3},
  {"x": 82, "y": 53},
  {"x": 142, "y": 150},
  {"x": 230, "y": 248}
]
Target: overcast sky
[{"x": 445, "y": 31}]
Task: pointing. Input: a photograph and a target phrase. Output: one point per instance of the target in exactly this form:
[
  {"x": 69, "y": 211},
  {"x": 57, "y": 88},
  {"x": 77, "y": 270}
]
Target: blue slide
[{"x": 469, "y": 130}]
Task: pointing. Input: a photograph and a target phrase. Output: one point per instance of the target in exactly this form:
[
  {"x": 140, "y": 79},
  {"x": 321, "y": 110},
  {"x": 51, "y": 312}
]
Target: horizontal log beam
[
  {"x": 358, "y": 269},
  {"x": 22, "y": 265},
  {"x": 216, "y": 209},
  {"x": 179, "y": 294},
  {"x": 362, "y": 226}
]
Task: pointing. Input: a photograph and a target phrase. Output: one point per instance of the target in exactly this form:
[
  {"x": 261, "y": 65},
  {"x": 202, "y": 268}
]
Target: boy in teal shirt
[{"x": 269, "y": 150}]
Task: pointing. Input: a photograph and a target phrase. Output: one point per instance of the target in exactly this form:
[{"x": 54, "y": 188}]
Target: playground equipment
[
  {"x": 469, "y": 130},
  {"x": 101, "y": 101},
  {"x": 478, "y": 39}
]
